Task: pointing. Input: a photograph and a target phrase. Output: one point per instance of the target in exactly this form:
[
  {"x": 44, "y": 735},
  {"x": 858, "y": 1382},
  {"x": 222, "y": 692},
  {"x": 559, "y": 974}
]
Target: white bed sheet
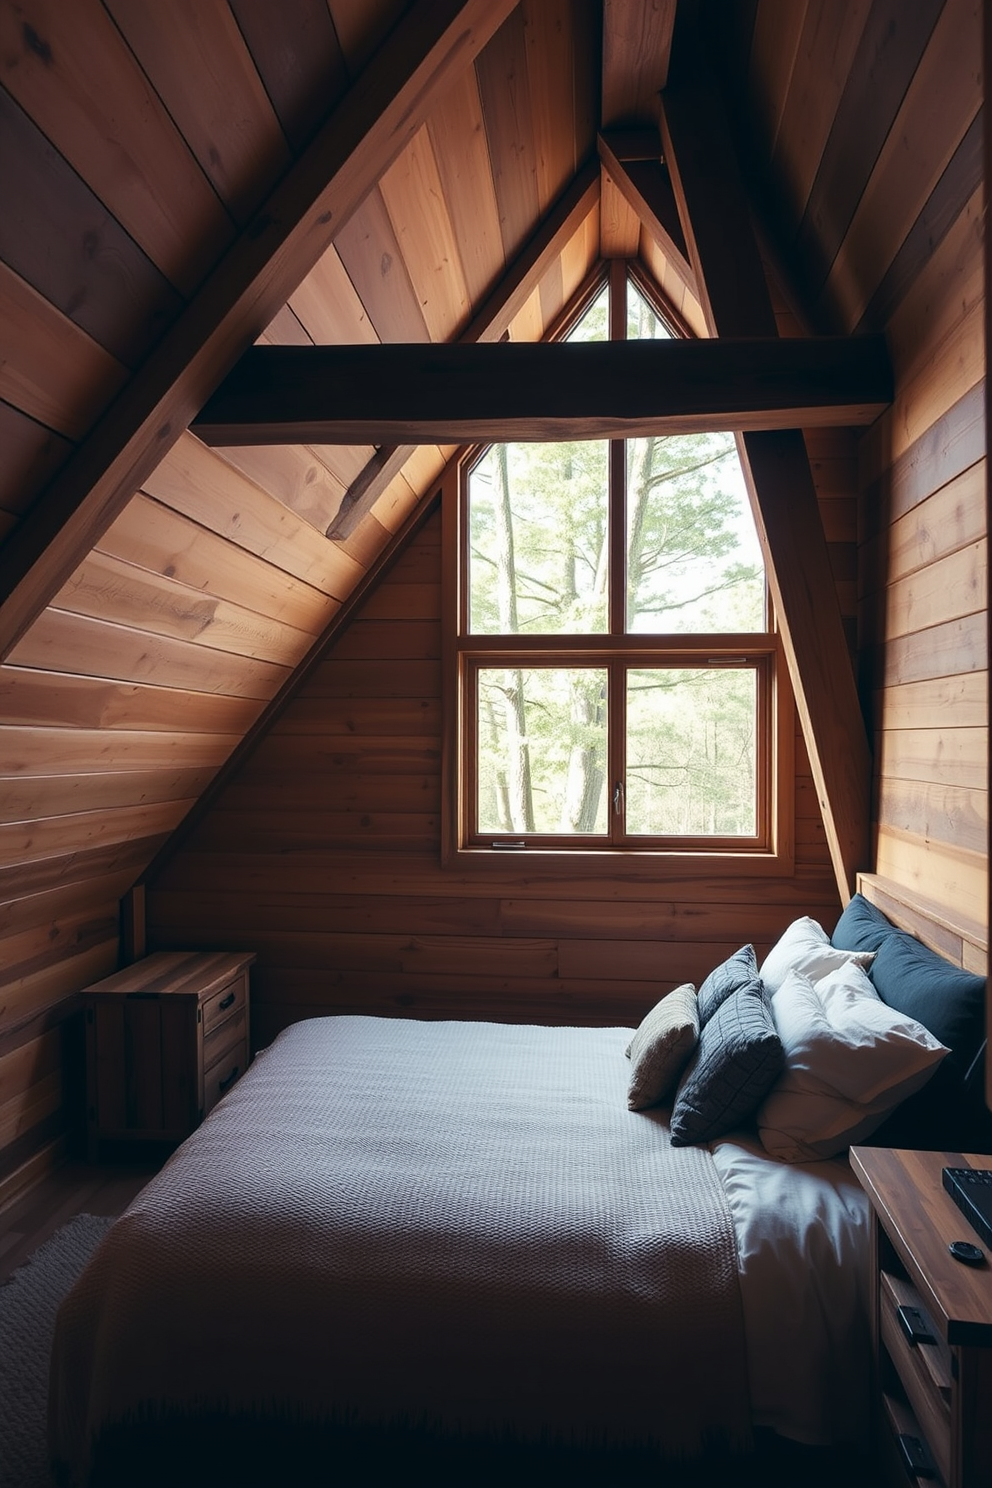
[{"x": 802, "y": 1236}]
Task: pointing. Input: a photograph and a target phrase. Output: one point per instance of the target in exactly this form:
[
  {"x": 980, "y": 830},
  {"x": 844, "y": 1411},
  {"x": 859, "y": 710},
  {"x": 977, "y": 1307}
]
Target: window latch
[{"x": 618, "y": 798}]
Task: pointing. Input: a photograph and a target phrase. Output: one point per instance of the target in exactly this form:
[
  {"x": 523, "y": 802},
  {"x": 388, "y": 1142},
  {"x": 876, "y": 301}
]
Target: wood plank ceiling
[{"x": 143, "y": 151}]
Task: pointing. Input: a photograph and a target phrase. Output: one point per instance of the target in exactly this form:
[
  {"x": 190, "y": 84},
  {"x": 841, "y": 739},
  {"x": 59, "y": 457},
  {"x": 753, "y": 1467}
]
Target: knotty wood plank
[
  {"x": 941, "y": 651},
  {"x": 363, "y": 718},
  {"x": 950, "y": 877},
  {"x": 60, "y": 641},
  {"x": 947, "y": 756},
  {"x": 50, "y": 911},
  {"x": 43, "y": 698},
  {"x": 110, "y": 589},
  {"x": 916, "y": 704},
  {"x": 415, "y": 201},
  {"x": 378, "y": 640},
  {"x": 504, "y": 88},
  {"x": 294, "y": 476},
  {"x": 489, "y": 324},
  {"x": 59, "y": 237},
  {"x": 955, "y": 441},
  {"x": 374, "y": 262},
  {"x": 50, "y": 368},
  {"x": 199, "y": 484},
  {"x": 951, "y": 519},
  {"x": 304, "y": 803},
  {"x": 282, "y": 751},
  {"x": 54, "y": 836},
  {"x": 552, "y": 48},
  {"x": 197, "y": 59},
  {"x": 619, "y": 224},
  {"x": 457, "y": 132},
  {"x": 328, "y": 307},
  {"x": 31, "y": 455},
  {"x": 948, "y": 371},
  {"x": 637, "y": 42},
  {"x": 363, "y": 135},
  {"x": 549, "y": 390},
  {"x": 943, "y": 591},
  {"x": 297, "y": 52},
  {"x": 285, "y": 330},
  {"x": 50, "y": 873},
  {"x": 935, "y": 812},
  {"x": 72, "y": 72},
  {"x": 722, "y": 250},
  {"x": 153, "y": 536}
]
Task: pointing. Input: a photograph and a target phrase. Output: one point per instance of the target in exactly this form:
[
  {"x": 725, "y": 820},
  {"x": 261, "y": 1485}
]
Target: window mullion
[{"x": 616, "y": 751}]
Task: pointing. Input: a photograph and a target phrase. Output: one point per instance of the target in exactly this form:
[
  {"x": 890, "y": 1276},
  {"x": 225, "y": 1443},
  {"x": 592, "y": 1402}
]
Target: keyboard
[{"x": 971, "y": 1190}]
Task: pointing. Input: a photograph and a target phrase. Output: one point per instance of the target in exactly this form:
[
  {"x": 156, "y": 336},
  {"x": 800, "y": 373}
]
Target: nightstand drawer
[
  {"x": 923, "y": 1368},
  {"x": 219, "y": 1078},
  {"x": 224, "y": 1036},
  {"x": 225, "y": 1003}
]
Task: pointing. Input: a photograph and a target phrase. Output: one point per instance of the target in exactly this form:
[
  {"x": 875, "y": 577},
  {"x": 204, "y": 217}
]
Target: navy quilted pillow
[
  {"x": 740, "y": 1057},
  {"x": 861, "y": 927},
  {"x": 728, "y": 977}
]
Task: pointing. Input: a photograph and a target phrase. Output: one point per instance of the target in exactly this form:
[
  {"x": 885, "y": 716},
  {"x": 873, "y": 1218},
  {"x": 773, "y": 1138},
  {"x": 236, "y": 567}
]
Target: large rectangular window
[{"x": 618, "y": 685}]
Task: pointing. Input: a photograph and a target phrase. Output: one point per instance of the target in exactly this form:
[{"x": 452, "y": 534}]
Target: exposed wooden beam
[
  {"x": 454, "y": 394},
  {"x": 646, "y": 187},
  {"x": 365, "y": 133},
  {"x": 699, "y": 151},
  {"x": 489, "y": 324}
]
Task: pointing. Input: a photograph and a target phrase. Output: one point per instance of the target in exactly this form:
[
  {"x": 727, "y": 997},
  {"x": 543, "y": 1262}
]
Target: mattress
[{"x": 456, "y": 1225}]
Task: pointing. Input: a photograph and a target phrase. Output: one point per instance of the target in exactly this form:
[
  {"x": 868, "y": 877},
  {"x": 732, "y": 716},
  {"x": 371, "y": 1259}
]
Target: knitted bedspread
[{"x": 454, "y": 1225}]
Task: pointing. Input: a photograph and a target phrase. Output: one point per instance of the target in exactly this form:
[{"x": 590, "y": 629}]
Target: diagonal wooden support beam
[
  {"x": 646, "y": 187},
  {"x": 544, "y": 391},
  {"x": 713, "y": 206},
  {"x": 372, "y": 124},
  {"x": 489, "y": 324}
]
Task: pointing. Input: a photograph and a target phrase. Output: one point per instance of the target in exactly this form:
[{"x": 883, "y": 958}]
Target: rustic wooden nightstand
[
  {"x": 937, "y": 1394},
  {"x": 165, "y": 1038}
]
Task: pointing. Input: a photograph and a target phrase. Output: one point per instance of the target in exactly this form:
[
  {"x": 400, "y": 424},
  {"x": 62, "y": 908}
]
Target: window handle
[{"x": 618, "y": 798}]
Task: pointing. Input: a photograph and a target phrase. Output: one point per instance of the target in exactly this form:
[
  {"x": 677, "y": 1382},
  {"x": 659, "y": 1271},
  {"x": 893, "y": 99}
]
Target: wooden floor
[{"x": 74, "y": 1188}]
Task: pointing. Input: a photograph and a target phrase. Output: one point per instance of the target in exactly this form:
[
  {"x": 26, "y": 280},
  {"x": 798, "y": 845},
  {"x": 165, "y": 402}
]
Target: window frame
[{"x": 771, "y": 851}]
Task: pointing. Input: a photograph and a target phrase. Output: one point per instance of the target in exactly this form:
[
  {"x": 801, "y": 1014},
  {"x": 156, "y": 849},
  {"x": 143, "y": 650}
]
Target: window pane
[
  {"x": 693, "y": 560},
  {"x": 594, "y": 323},
  {"x": 691, "y": 752},
  {"x": 538, "y": 540},
  {"x": 643, "y": 323},
  {"x": 542, "y": 749}
]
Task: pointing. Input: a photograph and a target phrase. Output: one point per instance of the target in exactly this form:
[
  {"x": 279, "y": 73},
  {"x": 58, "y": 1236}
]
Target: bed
[{"x": 464, "y": 1230}]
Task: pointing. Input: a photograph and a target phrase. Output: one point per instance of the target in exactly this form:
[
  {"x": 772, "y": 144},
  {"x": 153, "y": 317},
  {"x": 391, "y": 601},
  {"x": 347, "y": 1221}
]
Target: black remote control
[{"x": 971, "y": 1190}]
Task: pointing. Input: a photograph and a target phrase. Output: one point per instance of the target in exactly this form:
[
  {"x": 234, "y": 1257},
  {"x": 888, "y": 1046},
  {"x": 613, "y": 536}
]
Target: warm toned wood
[
  {"x": 914, "y": 1221},
  {"x": 725, "y": 257},
  {"x": 197, "y": 59},
  {"x": 488, "y": 324},
  {"x": 647, "y": 188},
  {"x": 325, "y": 308},
  {"x": 944, "y": 929},
  {"x": 297, "y": 52},
  {"x": 414, "y": 199},
  {"x": 457, "y": 131},
  {"x": 637, "y": 42},
  {"x": 501, "y": 68},
  {"x": 371, "y": 255},
  {"x": 156, "y": 1032},
  {"x": 90, "y": 268},
  {"x": 32, "y": 454},
  {"x": 23, "y": 798},
  {"x": 38, "y": 698},
  {"x": 551, "y": 390},
  {"x": 323, "y": 189}
]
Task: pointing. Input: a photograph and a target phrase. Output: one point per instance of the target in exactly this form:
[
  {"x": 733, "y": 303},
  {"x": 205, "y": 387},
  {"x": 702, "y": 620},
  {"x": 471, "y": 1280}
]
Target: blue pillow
[
  {"x": 735, "y": 972},
  {"x": 740, "y": 1056},
  {"x": 861, "y": 927}
]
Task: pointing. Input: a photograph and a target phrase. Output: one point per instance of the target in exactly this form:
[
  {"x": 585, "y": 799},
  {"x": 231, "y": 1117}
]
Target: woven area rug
[{"x": 29, "y": 1301}]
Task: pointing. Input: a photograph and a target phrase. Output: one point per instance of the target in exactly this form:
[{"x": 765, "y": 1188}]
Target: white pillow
[
  {"x": 806, "y": 947},
  {"x": 849, "y": 1061}
]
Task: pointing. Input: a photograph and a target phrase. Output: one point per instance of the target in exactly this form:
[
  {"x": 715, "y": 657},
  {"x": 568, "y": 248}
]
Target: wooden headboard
[{"x": 961, "y": 940}]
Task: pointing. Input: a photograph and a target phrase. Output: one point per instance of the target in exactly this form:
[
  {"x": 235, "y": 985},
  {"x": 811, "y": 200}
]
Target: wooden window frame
[{"x": 771, "y": 851}]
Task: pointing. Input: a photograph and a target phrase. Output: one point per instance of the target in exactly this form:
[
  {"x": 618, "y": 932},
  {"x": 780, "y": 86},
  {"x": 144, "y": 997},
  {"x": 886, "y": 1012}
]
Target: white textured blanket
[{"x": 454, "y": 1224}]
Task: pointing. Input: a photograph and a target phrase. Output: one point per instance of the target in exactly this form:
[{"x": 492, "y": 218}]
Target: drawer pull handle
[
  {"x": 225, "y": 1085},
  {"x": 915, "y": 1325},
  {"x": 915, "y": 1456},
  {"x": 225, "y": 1002}
]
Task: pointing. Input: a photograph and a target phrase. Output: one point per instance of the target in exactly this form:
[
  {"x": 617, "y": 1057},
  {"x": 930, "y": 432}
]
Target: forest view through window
[{"x": 617, "y": 670}]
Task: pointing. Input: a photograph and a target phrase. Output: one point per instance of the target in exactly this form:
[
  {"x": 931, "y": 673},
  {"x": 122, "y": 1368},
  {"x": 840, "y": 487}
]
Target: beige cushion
[{"x": 661, "y": 1047}]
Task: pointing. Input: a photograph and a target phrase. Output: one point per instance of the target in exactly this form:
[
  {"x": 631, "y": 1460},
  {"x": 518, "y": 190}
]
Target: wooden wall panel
[{"x": 323, "y": 854}]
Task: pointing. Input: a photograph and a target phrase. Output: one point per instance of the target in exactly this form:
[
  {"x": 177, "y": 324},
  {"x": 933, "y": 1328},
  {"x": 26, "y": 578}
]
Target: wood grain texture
[{"x": 296, "y": 50}]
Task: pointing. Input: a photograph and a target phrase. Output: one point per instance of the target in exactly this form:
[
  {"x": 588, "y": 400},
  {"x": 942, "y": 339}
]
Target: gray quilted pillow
[
  {"x": 740, "y": 1057},
  {"x": 725, "y": 979},
  {"x": 661, "y": 1046}
]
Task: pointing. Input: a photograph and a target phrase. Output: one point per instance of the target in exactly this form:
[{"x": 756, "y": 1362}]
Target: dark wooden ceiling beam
[
  {"x": 362, "y": 137},
  {"x": 489, "y": 324},
  {"x": 645, "y": 185},
  {"x": 458, "y": 394},
  {"x": 699, "y": 150}
]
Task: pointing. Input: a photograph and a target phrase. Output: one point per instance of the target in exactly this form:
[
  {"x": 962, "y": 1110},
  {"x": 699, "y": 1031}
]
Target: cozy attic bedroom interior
[{"x": 228, "y": 596}]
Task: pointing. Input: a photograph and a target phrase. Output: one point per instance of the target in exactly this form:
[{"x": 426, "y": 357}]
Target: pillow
[
  {"x": 861, "y": 927},
  {"x": 661, "y": 1047},
  {"x": 849, "y": 1061},
  {"x": 738, "y": 1060},
  {"x": 806, "y": 947},
  {"x": 735, "y": 972}
]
